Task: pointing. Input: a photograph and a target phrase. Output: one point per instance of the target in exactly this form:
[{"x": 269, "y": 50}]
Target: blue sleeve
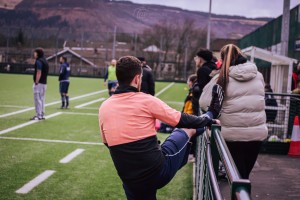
[
  {"x": 39, "y": 65},
  {"x": 106, "y": 75}
]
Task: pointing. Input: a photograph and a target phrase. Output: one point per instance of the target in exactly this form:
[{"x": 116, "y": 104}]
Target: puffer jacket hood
[{"x": 243, "y": 72}]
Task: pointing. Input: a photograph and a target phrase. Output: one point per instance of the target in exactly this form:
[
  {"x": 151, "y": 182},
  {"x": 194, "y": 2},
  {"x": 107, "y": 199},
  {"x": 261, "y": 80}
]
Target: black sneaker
[{"x": 34, "y": 118}]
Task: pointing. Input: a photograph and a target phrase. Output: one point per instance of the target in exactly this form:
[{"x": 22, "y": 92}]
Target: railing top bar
[
  {"x": 283, "y": 94},
  {"x": 225, "y": 155},
  {"x": 212, "y": 175}
]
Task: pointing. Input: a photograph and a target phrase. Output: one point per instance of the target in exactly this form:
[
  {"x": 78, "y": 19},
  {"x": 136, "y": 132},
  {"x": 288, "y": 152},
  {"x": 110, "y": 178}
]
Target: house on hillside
[{"x": 80, "y": 66}]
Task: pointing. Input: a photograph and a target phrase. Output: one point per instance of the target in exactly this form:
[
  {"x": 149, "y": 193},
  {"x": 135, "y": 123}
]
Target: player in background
[
  {"x": 64, "y": 82},
  {"x": 111, "y": 77}
]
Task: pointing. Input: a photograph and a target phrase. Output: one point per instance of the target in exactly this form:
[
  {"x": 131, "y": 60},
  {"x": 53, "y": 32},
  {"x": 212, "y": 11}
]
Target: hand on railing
[{"x": 214, "y": 121}]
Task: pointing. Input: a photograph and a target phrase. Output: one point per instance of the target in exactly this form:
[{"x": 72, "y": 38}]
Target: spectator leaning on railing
[
  {"x": 243, "y": 115},
  {"x": 205, "y": 65}
]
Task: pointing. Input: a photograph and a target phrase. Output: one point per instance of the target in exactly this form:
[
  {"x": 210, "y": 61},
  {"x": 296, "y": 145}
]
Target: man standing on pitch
[
  {"x": 41, "y": 69},
  {"x": 64, "y": 82},
  {"x": 148, "y": 85},
  {"x": 127, "y": 124},
  {"x": 111, "y": 77}
]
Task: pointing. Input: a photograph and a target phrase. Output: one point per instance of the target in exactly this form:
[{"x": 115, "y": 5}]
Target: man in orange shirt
[{"x": 127, "y": 124}]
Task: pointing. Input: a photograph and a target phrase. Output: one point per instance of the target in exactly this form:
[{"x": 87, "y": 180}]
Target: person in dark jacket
[
  {"x": 64, "y": 82},
  {"x": 148, "y": 85},
  {"x": 41, "y": 69},
  {"x": 270, "y": 102},
  {"x": 205, "y": 65}
]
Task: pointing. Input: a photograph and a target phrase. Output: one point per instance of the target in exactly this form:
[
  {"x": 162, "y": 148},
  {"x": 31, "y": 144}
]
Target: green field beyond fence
[{"x": 29, "y": 149}]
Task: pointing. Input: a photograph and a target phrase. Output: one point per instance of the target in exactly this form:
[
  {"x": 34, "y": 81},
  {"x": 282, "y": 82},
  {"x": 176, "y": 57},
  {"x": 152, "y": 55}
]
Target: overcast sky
[{"x": 248, "y": 8}]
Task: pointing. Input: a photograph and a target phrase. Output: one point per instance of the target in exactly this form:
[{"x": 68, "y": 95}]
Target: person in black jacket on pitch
[
  {"x": 148, "y": 85},
  {"x": 205, "y": 65}
]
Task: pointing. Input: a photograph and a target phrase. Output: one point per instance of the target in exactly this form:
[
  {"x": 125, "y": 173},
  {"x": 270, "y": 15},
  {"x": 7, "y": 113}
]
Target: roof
[
  {"x": 68, "y": 50},
  {"x": 152, "y": 48},
  {"x": 266, "y": 55}
]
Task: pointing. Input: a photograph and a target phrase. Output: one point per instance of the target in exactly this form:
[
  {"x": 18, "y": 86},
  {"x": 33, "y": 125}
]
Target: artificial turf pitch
[{"x": 91, "y": 175}]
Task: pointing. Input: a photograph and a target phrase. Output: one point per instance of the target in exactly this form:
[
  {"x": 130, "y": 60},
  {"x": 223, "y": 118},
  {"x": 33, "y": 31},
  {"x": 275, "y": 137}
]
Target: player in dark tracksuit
[
  {"x": 148, "y": 85},
  {"x": 64, "y": 82}
]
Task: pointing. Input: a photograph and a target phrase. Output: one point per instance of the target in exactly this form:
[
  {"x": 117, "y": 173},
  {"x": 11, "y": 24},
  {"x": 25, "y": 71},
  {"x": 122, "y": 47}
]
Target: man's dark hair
[
  {"x": 127, "y": 68},
  {"x": 40, "y": 52},
  {"x": 64, "y": 58},
  {"x": 207, "y": 55}
]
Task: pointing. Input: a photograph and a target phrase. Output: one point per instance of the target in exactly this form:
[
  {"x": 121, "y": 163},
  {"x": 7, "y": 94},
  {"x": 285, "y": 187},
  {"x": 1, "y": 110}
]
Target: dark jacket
[
  {"x": 148, "y": 86},
  {"x": 203, "y": 75},
  {"x": 195, "y": 98},
  {"x": 64, "y": 72},
  {"x": 44, "y": 69}
]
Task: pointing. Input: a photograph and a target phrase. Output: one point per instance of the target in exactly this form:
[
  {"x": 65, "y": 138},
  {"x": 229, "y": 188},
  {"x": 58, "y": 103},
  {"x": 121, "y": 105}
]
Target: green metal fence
[
  {"x": 269, "y": 35},
  {"x": 210, "y": 151}
]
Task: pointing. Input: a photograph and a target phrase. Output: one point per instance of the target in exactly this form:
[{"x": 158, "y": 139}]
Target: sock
[
  {"x": 67, "y": 100},
  {"x": 62, "y": 100}
]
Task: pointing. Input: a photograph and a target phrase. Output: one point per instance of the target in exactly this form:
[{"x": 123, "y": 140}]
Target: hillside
[{"x": 102, "y": 15}]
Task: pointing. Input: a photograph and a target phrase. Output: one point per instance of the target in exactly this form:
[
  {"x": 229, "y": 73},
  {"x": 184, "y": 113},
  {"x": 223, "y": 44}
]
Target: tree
[
  {"x": 20, "y": 38},
  {"x": 175, "y": 38}
]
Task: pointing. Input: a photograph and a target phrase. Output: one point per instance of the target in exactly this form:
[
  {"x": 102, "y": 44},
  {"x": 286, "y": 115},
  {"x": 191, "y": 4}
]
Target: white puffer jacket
[{"x": 243, "y": 115}]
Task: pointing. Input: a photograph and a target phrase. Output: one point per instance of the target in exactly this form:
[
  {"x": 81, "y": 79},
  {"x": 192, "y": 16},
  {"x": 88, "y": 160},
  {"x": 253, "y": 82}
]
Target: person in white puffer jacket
[{"x": 242, "y": 115}]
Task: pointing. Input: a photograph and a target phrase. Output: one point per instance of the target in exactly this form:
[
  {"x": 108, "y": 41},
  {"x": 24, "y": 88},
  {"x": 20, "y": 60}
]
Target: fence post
[
  {"x": 214, "y": 148},
  {"x": 241, "y": 189}
]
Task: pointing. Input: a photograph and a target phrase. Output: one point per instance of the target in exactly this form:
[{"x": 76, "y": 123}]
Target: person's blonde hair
[{"x": 229, "y": 54}]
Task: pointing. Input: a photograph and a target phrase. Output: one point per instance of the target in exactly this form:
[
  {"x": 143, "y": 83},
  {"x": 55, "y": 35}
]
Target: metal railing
[
  {"x": 280, "y": 112},
  {"x": 210, "y": 151}
]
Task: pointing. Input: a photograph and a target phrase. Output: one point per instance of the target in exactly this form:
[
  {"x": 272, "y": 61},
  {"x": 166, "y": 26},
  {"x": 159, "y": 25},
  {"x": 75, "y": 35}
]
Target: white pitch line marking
[
  {"x": 28, "y": 123},
  {"x": 71, "y": 156},
  {"x": 35, "y": 182},
  {"x": 13, "y": 106},
  {"x": 164, "y": 89},
  {"x": 51, "y": 141},
  {"x": 79, "y": 113},
  {"x": 89, "y": 103},
  {"x": 52, "y": 103},
  {"x": 89, "y": 108}
]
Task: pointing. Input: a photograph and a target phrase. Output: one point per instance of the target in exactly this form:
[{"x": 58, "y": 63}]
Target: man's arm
[
  {"x": 103, "y": 136},
  {"x": 62, "y": 72},
  {"x": 106, "y": 75},
  {"x": 165, "y": 113},
  {"x": 151, "y": 84},
  {"x": 38, "y": 72}
]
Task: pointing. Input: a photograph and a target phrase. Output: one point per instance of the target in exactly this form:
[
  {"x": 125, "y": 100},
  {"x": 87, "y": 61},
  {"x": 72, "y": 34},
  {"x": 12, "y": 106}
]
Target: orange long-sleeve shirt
[{"x": 129, "y": 117}]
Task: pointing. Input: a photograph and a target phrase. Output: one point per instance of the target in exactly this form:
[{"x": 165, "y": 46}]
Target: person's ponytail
[{"x": 226, "y": 55}]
